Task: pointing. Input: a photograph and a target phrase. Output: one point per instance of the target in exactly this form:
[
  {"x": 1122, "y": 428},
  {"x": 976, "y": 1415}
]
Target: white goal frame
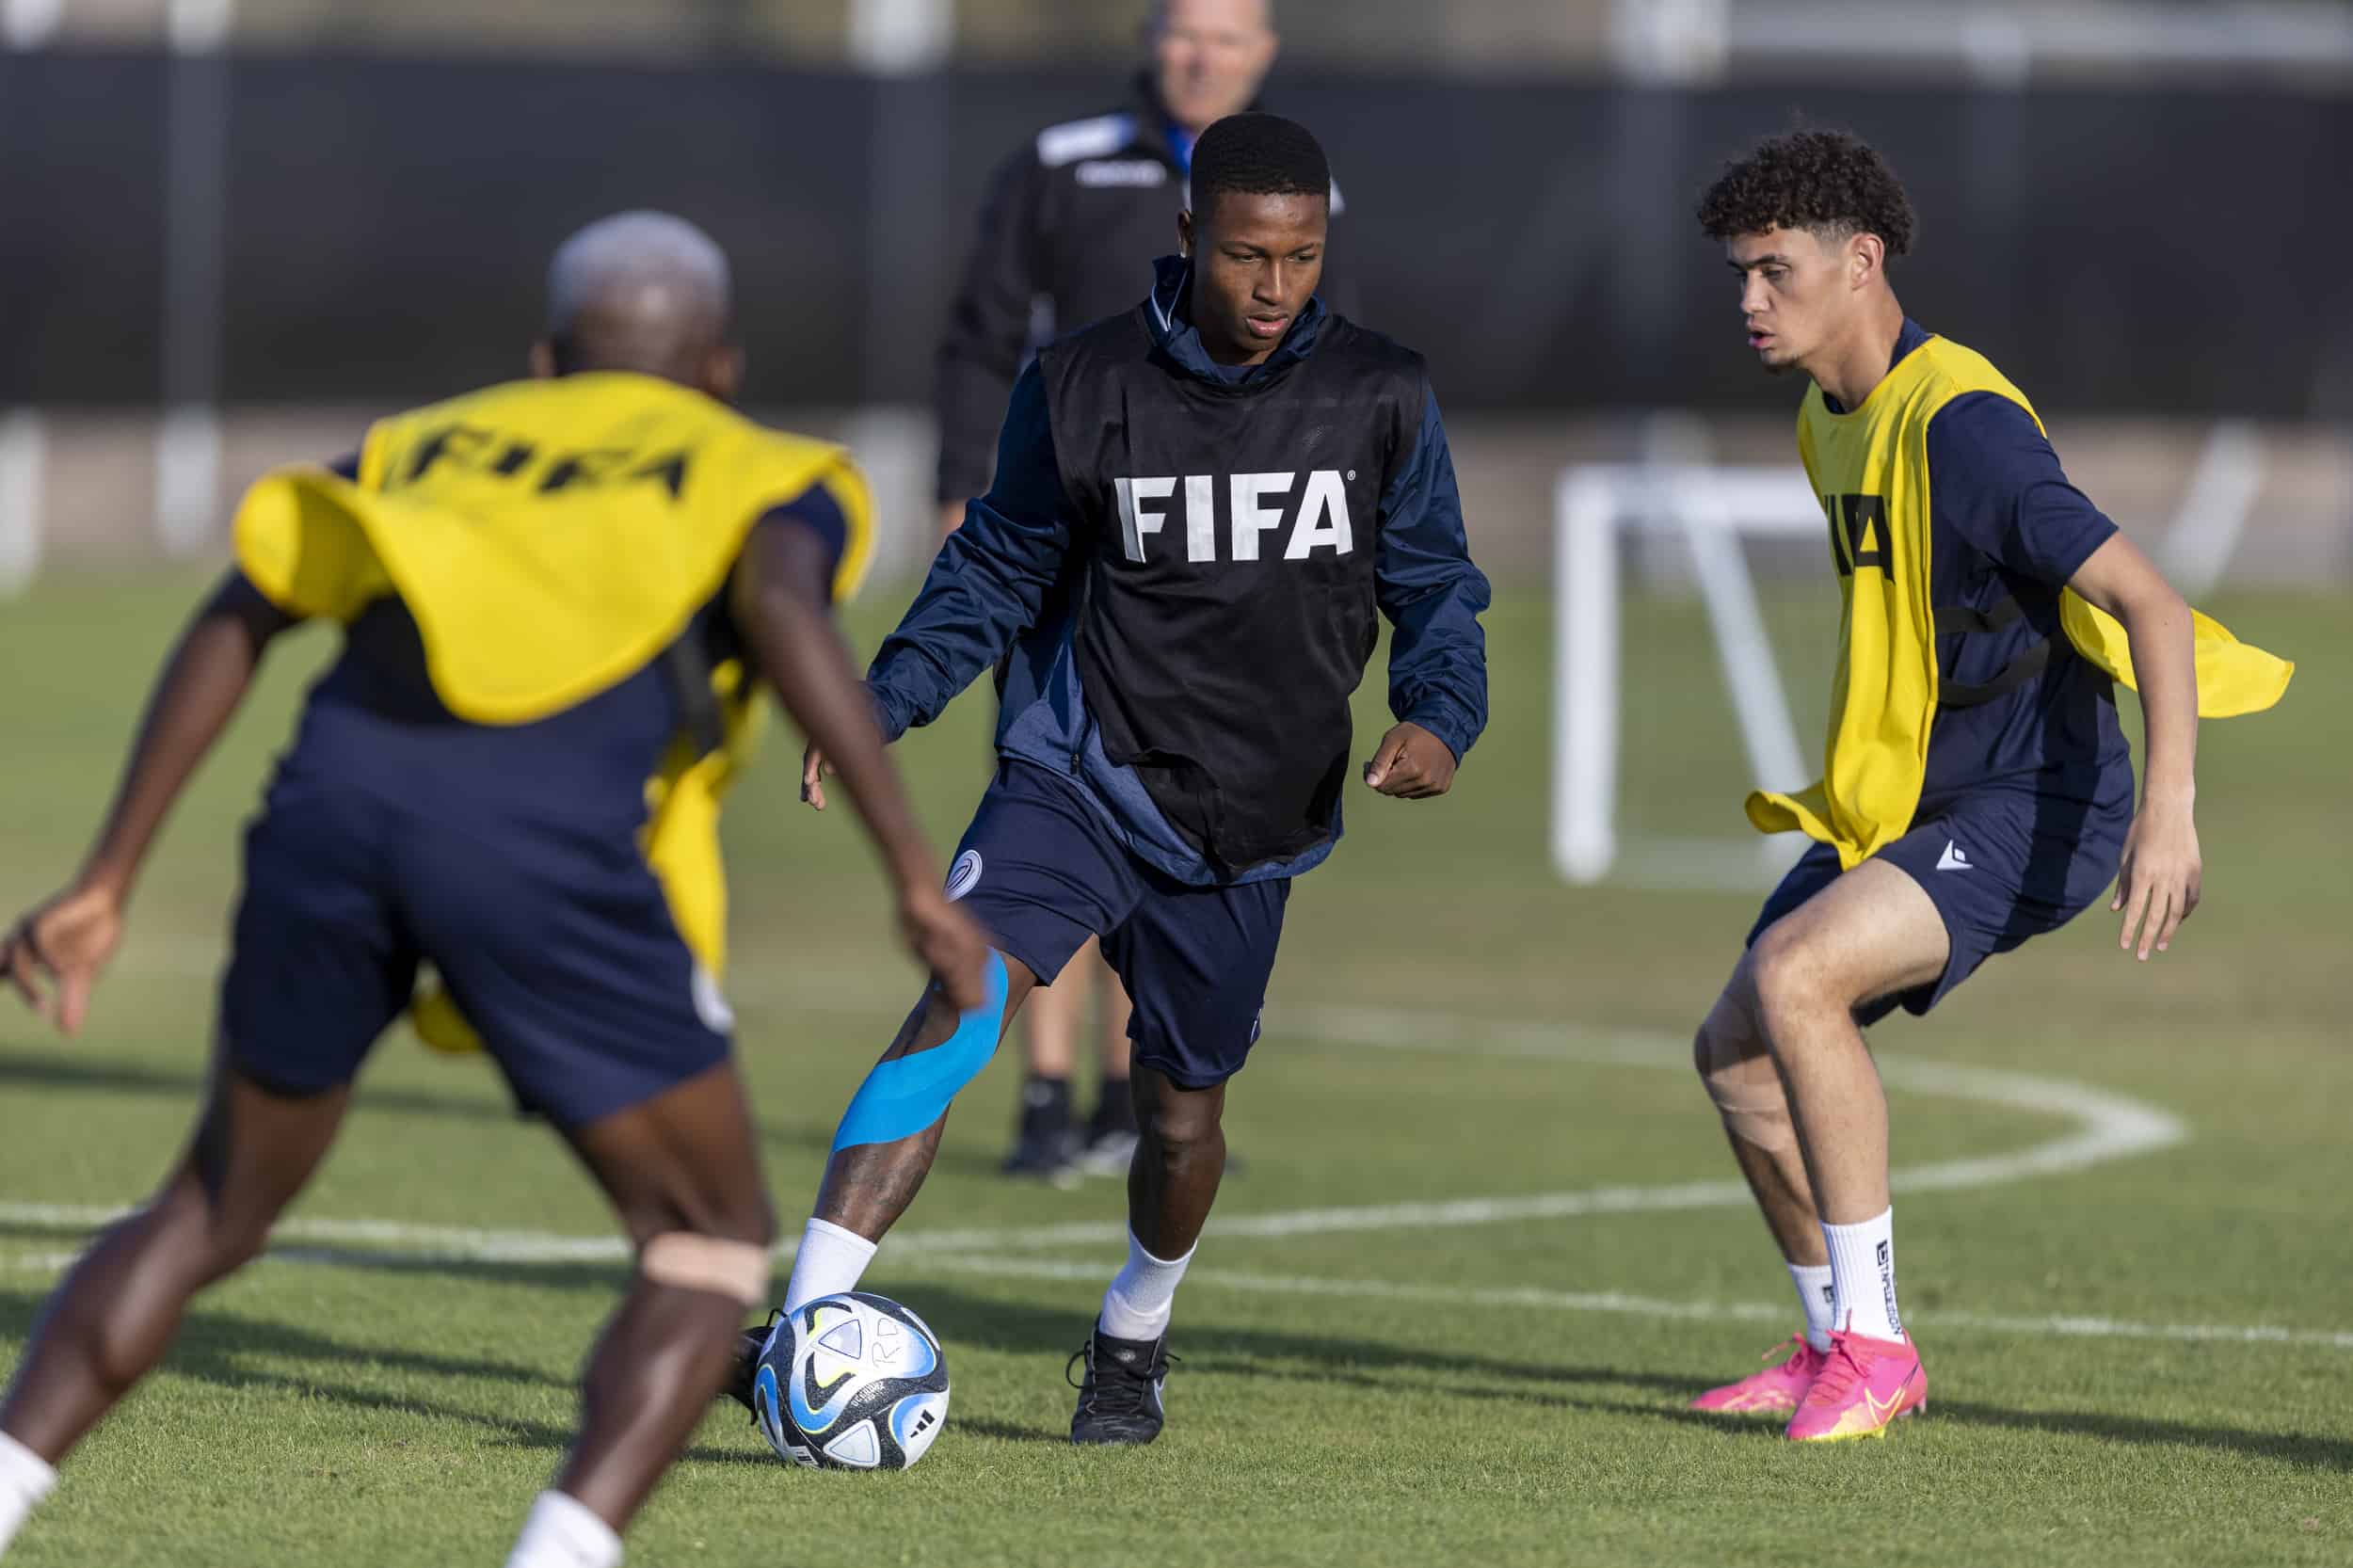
[{"x": 1708, "y": 508}]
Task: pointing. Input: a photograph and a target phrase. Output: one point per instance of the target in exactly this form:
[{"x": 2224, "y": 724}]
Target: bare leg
[
  {"x": 685, "y": 1160},
  {"x": 1870, "y": 933},
  {"x": 1181, "y": 1157},
  {"x": 1732, "y": 1059},
  {"x": 116, "y": 1313},
  {"x": 868, "y": 1186},
  {"x": 1057, "y": 1014}
]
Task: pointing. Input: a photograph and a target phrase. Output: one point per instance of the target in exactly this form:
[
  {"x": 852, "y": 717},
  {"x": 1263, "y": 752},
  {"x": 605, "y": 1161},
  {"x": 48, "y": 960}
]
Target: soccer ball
[{"x": 853, "y": 1382}]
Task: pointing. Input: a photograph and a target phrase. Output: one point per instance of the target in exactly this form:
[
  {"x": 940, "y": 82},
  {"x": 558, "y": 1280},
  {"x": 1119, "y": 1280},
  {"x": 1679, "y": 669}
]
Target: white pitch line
[
  {"x": 929, "y": 1263},
  {"x": 1651, "y": 1307},
  {"x": 458, "y": 1243},
  {"x": 2109, "y": 1126}
]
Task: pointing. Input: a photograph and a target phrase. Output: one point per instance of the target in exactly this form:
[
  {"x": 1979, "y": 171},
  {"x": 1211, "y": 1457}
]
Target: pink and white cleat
[
  {"x": 1774, "y": 1391},
  {"x": 1863, "y": 1386}
]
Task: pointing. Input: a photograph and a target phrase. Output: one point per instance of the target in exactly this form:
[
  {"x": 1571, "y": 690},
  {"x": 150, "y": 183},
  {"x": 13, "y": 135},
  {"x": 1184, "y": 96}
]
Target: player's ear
[
  {"x": 542, "y": 360},
  {"x": 1866, "y": 257},
  {"x": 1184, "y": 232}
]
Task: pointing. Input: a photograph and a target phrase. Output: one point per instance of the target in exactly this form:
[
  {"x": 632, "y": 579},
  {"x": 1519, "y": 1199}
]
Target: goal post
[{"x": 1704, "y": 512}]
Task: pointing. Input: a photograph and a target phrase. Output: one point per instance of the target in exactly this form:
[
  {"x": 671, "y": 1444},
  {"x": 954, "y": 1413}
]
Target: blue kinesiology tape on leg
[{"x": 902, "y": 1097}]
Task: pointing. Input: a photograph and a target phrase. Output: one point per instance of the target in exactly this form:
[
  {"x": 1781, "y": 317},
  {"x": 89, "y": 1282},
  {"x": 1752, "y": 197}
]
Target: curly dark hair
[{"x": 1825, "y": 181}]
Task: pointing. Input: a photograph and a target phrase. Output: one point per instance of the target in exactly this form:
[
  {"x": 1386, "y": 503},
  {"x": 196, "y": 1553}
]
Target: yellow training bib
[
  {"x": 550, "y": 538},
  {"x": 1870, "y": 469}
]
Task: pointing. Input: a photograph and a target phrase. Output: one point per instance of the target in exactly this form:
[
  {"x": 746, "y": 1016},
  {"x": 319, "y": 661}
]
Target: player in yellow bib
[
  {"x": 551, "y": 591},
  {"x": 1976, "y": 789}
]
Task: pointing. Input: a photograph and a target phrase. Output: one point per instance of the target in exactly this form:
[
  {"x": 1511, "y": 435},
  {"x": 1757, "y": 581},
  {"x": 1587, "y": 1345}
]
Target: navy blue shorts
[
  {"x": 1042, "y": 872},
  {"x": 2000, "y": 865},
  {"x": 558, "y": 948}
]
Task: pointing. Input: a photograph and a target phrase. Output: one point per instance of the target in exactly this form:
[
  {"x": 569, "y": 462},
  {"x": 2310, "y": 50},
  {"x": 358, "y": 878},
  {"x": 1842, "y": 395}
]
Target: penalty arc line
[{"x": 2108, "y": 1127}]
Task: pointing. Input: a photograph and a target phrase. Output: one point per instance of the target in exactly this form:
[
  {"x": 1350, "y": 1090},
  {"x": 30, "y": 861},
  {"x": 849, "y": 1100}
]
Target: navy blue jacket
[{"x": 1001, "y": 586}]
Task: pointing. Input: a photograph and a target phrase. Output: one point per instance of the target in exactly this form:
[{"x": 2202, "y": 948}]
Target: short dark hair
[
  {"x": 1258, "y": 154},
  {"x": 1828, "y": 182}
]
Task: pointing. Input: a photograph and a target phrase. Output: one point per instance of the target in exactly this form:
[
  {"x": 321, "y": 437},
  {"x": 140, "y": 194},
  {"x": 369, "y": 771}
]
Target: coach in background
[
  {"x": 1074, "y": 214},
  {"x": 1073, "y": 218}
]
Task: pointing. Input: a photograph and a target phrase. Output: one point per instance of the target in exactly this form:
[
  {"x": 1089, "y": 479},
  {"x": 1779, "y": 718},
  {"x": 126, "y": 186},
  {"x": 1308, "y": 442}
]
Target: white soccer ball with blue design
[{"x": 853, "y": 1382}]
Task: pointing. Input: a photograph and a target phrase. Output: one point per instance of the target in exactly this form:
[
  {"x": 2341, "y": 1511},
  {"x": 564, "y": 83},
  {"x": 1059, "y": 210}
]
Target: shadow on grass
[
  {"x": 232, "y": 1352},
  {"x": 1211, "y": 1348},
  {"x": 236, "y": 1353},
  {"x": 34, "y": 1069},
  {"x": 2302, "y": 1450},
  {"x": 1010, "y": 1431}
]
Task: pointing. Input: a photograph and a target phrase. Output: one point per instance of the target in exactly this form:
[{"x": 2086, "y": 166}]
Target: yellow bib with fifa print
[
  {"x": 1871, "y": 470},
  {"x": 550, "y": 538}
]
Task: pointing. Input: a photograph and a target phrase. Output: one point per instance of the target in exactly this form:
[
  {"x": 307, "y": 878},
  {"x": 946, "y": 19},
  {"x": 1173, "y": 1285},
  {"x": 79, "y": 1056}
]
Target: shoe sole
[{"x": 1880, "y": 1430}]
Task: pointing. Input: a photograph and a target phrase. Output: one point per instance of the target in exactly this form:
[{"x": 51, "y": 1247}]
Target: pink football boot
[
  {"x": 1864, "y": 1384},
  {"x": 1775, "y": 1391}
]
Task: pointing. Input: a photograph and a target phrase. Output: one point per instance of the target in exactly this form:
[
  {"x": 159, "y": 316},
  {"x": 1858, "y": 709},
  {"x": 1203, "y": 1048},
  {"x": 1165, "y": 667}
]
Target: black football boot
[{"x": 1119, "y": 1401}]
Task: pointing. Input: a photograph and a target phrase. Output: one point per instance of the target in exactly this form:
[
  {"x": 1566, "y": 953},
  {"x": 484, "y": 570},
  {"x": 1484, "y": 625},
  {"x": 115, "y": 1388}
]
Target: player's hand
[
  {"x": 945, "y": 940},
  {"x": 64, "y": 943},
  {"x": 1412, "y": 764},
  {"x": 815, "y": 769},
  {"x": 2157, "y": 885}
]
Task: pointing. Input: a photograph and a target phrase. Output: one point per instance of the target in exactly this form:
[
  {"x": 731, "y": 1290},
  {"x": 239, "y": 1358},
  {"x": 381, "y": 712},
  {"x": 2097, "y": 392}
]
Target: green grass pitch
[{"x": 1479, "y": 1258}]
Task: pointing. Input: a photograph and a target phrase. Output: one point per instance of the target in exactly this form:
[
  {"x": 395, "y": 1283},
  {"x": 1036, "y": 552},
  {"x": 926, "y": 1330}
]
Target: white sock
[
  {"x": 1863, "y": 1277},
  {"x": 560, "y": 1532},
  {"x": 831, "y": 1260},
  {"x": 25, "y": 1478},
  {"x": 1814, "y": 1297},
  {"x": 1142, "y": 1295}
]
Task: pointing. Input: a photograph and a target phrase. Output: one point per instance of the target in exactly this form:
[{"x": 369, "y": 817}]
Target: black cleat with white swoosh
[{"x": 1119, "y": 1401}]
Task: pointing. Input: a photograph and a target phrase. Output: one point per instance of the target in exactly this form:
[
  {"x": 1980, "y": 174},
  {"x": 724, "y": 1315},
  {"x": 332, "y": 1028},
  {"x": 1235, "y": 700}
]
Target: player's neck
[{"x": 1861, "y": 359}]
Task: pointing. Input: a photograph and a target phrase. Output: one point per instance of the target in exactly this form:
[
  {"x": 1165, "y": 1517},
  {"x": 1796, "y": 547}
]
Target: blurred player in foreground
[
  {"x": 1243, "y": 482},
  {"x": 1073, "y": 217},
  {"x": 531, "y": 578},
  {"x": 1977, "y": 790}
]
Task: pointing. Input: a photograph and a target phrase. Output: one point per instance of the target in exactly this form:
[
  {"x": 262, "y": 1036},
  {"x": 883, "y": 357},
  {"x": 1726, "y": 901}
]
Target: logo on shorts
[
  {"x": 965, "y": 874},
  {"x": 1953, "y": 859},
  {"x": 710, "y": 1003}
]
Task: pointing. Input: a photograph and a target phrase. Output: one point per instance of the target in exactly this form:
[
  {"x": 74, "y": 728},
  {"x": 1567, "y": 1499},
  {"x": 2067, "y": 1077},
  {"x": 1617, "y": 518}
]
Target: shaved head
[{"x": 643, "y": 292}]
